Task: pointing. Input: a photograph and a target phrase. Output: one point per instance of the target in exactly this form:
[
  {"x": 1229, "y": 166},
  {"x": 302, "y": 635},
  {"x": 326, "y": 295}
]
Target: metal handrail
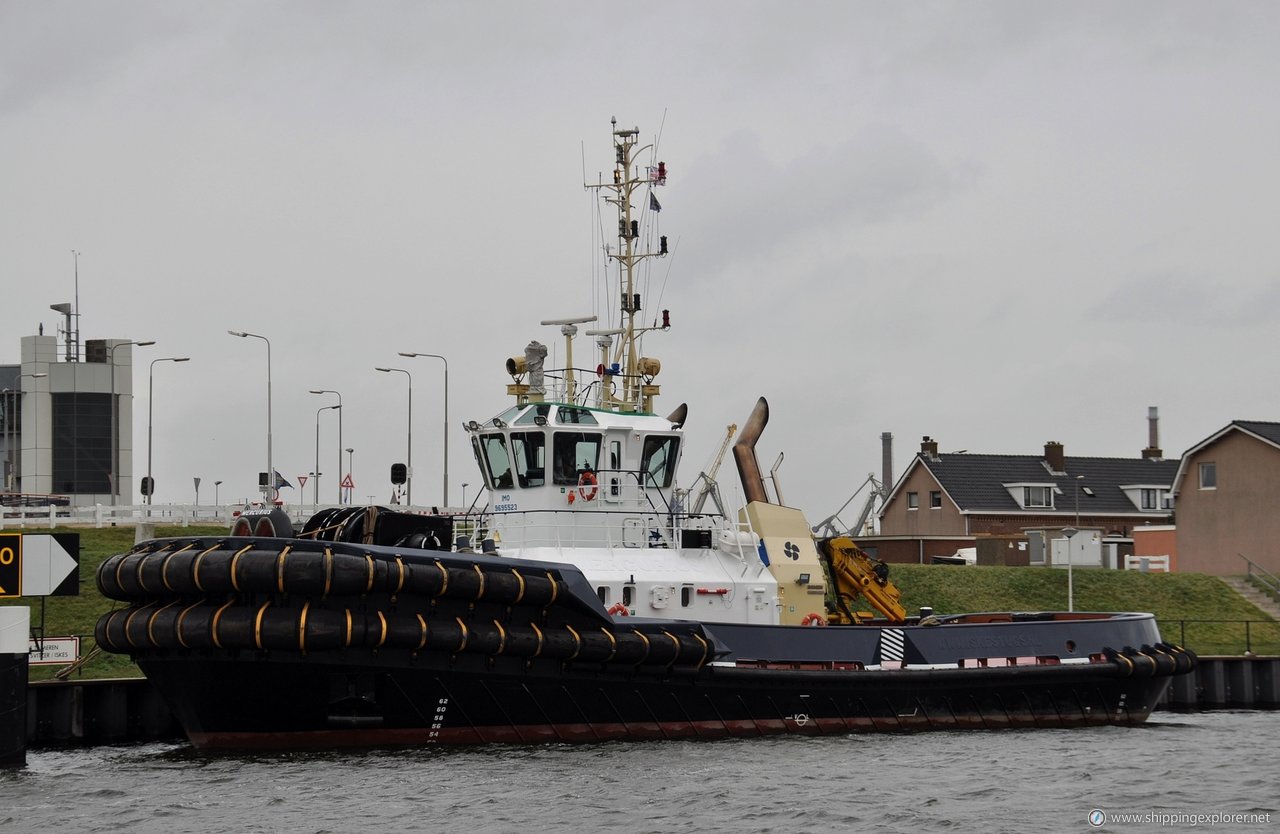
[
  {"x": 1248, "y": 635},
  {"x": 1264, "y": 577}
]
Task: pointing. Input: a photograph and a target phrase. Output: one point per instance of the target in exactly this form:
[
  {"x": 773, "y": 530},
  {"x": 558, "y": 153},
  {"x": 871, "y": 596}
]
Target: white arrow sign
[{"x": 45, "y": 563}]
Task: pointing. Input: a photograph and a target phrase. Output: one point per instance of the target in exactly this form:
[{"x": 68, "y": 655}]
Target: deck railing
[{"x": 1226, "y": 637}]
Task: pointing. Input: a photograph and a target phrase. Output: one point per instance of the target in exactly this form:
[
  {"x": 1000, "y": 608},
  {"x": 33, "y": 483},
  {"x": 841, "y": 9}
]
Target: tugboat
[{"x": 590, "y": 598}]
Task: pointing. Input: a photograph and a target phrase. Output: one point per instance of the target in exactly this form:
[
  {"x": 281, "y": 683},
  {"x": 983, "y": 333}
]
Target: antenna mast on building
[{"x": 70, "y": 312}]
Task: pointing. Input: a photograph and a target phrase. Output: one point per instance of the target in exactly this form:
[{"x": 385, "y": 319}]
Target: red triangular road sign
[
  {"x": 347, "y": 483},
  {"x": 302, "y": 481}
]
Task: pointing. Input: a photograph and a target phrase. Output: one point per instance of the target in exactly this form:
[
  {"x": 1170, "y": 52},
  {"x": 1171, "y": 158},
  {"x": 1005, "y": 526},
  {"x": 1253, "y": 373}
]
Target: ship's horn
[
  {"x": 744, "y": 453},
  {"x": 677, "y": 417}
]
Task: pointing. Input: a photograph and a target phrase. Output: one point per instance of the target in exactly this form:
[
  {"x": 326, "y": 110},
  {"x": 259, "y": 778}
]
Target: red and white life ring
[
  {"x": 587, "y": 486},
  {"x": 619, "y": 609},
  {"x": 813, "y": 620}
]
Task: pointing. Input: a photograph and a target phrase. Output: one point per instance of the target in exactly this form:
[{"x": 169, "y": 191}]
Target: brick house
[
  {"x": 1226, "y": 487},
  {"x": 1013, "y": 507}
]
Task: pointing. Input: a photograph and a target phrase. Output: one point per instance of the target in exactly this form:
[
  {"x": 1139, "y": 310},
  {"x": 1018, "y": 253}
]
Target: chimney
[
  {"x": 886, "y": 463},
  {"x": 1054, "y": 456},
  {"x": 929, "y": 447},
  {"x": 1153, "y": 450}
]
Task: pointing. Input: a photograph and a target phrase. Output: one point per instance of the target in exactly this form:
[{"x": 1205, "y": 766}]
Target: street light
[
  {"x": 409, "y": 455},
  {"x": 464, "y": 495},
  {"x": 35, "y": 426},
  {"x": 351, "y": 468},
  {"x": 315, "y": 483},
  {"x": 216, "y": 484},
  {"x": 115, "y": 431},
  {"x": 446, "y": 417},
  {"x": 331, "y": 391},
  {"x": 1070, "y": 533},
  {"x": 269, "y": 487},
  {"x": 151, "y": 388}
]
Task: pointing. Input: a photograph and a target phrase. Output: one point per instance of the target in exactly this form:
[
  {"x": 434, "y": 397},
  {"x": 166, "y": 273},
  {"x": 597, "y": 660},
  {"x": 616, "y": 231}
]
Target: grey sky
[{"x": 993, "y": 223}]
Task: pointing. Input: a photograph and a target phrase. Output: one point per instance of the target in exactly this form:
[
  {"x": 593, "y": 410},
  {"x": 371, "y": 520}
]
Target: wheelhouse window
[
  {"x": 528, "y": 453},
  {"x": 1037, "y": 496},
  {"x": 658, "y": 462},
  {"x": 1208, "y": 476},
  {"x": 574, "y": 453},
  {"x": 492, "y": 449},
  {"x": 575, "y": 416},
  {"x": 531, "y": 416}
]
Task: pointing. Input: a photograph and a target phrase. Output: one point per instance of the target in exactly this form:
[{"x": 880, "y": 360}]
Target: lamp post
[
  {"x": 339, "y": 406},
  {"x": 446, "y": 417},
  {"x": 216, "y": 484},
  {"x": 269, "y": 487},
  {"x": 151, "y": 388},
  {"x": 35, "y": 425},
  {"x": 351, "y": 468},
  {"x": 1070, "y": 533},
  {"x": 315, "y": 483},
  {"x": 464, "y": 495},
  {"x": 409, "y": 454},
  {"x": 115, "y": 432}
]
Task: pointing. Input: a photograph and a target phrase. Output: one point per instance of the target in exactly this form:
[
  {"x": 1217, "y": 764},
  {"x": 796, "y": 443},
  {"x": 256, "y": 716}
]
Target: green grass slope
[{"x": 1199, "y": 611}]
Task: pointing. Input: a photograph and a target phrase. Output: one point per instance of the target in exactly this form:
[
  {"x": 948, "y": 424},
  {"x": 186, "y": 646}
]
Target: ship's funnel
[{"x": 744, "y": 453}]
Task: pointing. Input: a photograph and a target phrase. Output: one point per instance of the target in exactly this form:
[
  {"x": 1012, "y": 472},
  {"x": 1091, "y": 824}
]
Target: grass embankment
[
  {"x": 947, "y": 589},
  {"x": 1178, "y": 600},
  {"x": 76, "y": 616}
]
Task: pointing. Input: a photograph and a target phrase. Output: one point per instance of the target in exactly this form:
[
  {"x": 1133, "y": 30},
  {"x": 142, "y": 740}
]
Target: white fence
[
  {"x": 1145, "y": 564},
  {"x": 105, "y": 515}
]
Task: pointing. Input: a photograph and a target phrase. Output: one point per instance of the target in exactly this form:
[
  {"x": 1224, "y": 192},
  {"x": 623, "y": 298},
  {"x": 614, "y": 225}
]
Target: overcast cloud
[{"x": 995, "y": 223}]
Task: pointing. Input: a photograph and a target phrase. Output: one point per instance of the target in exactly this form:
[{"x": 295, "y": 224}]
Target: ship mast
[{"x": 637, "y": 391}]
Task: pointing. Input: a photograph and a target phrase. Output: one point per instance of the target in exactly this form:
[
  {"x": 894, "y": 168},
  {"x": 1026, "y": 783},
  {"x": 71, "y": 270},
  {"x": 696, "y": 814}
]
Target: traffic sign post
[
  {"x": 39, "y": 565},
  {"x": 11, "y": 565}
]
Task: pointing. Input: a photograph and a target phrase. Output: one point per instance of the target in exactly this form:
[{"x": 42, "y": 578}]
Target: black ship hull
[
  {"x": 276, "y": 644},
  {"x": 262, "y": 703}
]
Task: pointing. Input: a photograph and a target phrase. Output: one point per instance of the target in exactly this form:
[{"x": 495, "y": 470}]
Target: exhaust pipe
[{"x": 744, "y": 453}]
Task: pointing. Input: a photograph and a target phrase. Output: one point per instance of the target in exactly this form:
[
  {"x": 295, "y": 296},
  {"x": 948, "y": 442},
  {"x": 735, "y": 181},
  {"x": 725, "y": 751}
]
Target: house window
[
  {"x": 913, "y": 500},
  {"x": 1208, "y": 476},
  {"x": 1150, "y": 499},
  {"x": 1037, "y": 496},
  {"x": 935, "y": 500}
]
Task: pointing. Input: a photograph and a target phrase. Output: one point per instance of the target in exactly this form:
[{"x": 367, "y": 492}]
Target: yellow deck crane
[{"x": 854, "y": 574}]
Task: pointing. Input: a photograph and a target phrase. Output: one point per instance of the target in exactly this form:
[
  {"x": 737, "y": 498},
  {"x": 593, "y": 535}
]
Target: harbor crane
[{"x": 710, "y": 487}]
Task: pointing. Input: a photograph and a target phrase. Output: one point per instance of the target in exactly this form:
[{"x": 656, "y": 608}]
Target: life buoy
[
  {"x": 619, "y": 609},
  {"x": 813, "y": 620},
  {"x": 587, "y": 486}
]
